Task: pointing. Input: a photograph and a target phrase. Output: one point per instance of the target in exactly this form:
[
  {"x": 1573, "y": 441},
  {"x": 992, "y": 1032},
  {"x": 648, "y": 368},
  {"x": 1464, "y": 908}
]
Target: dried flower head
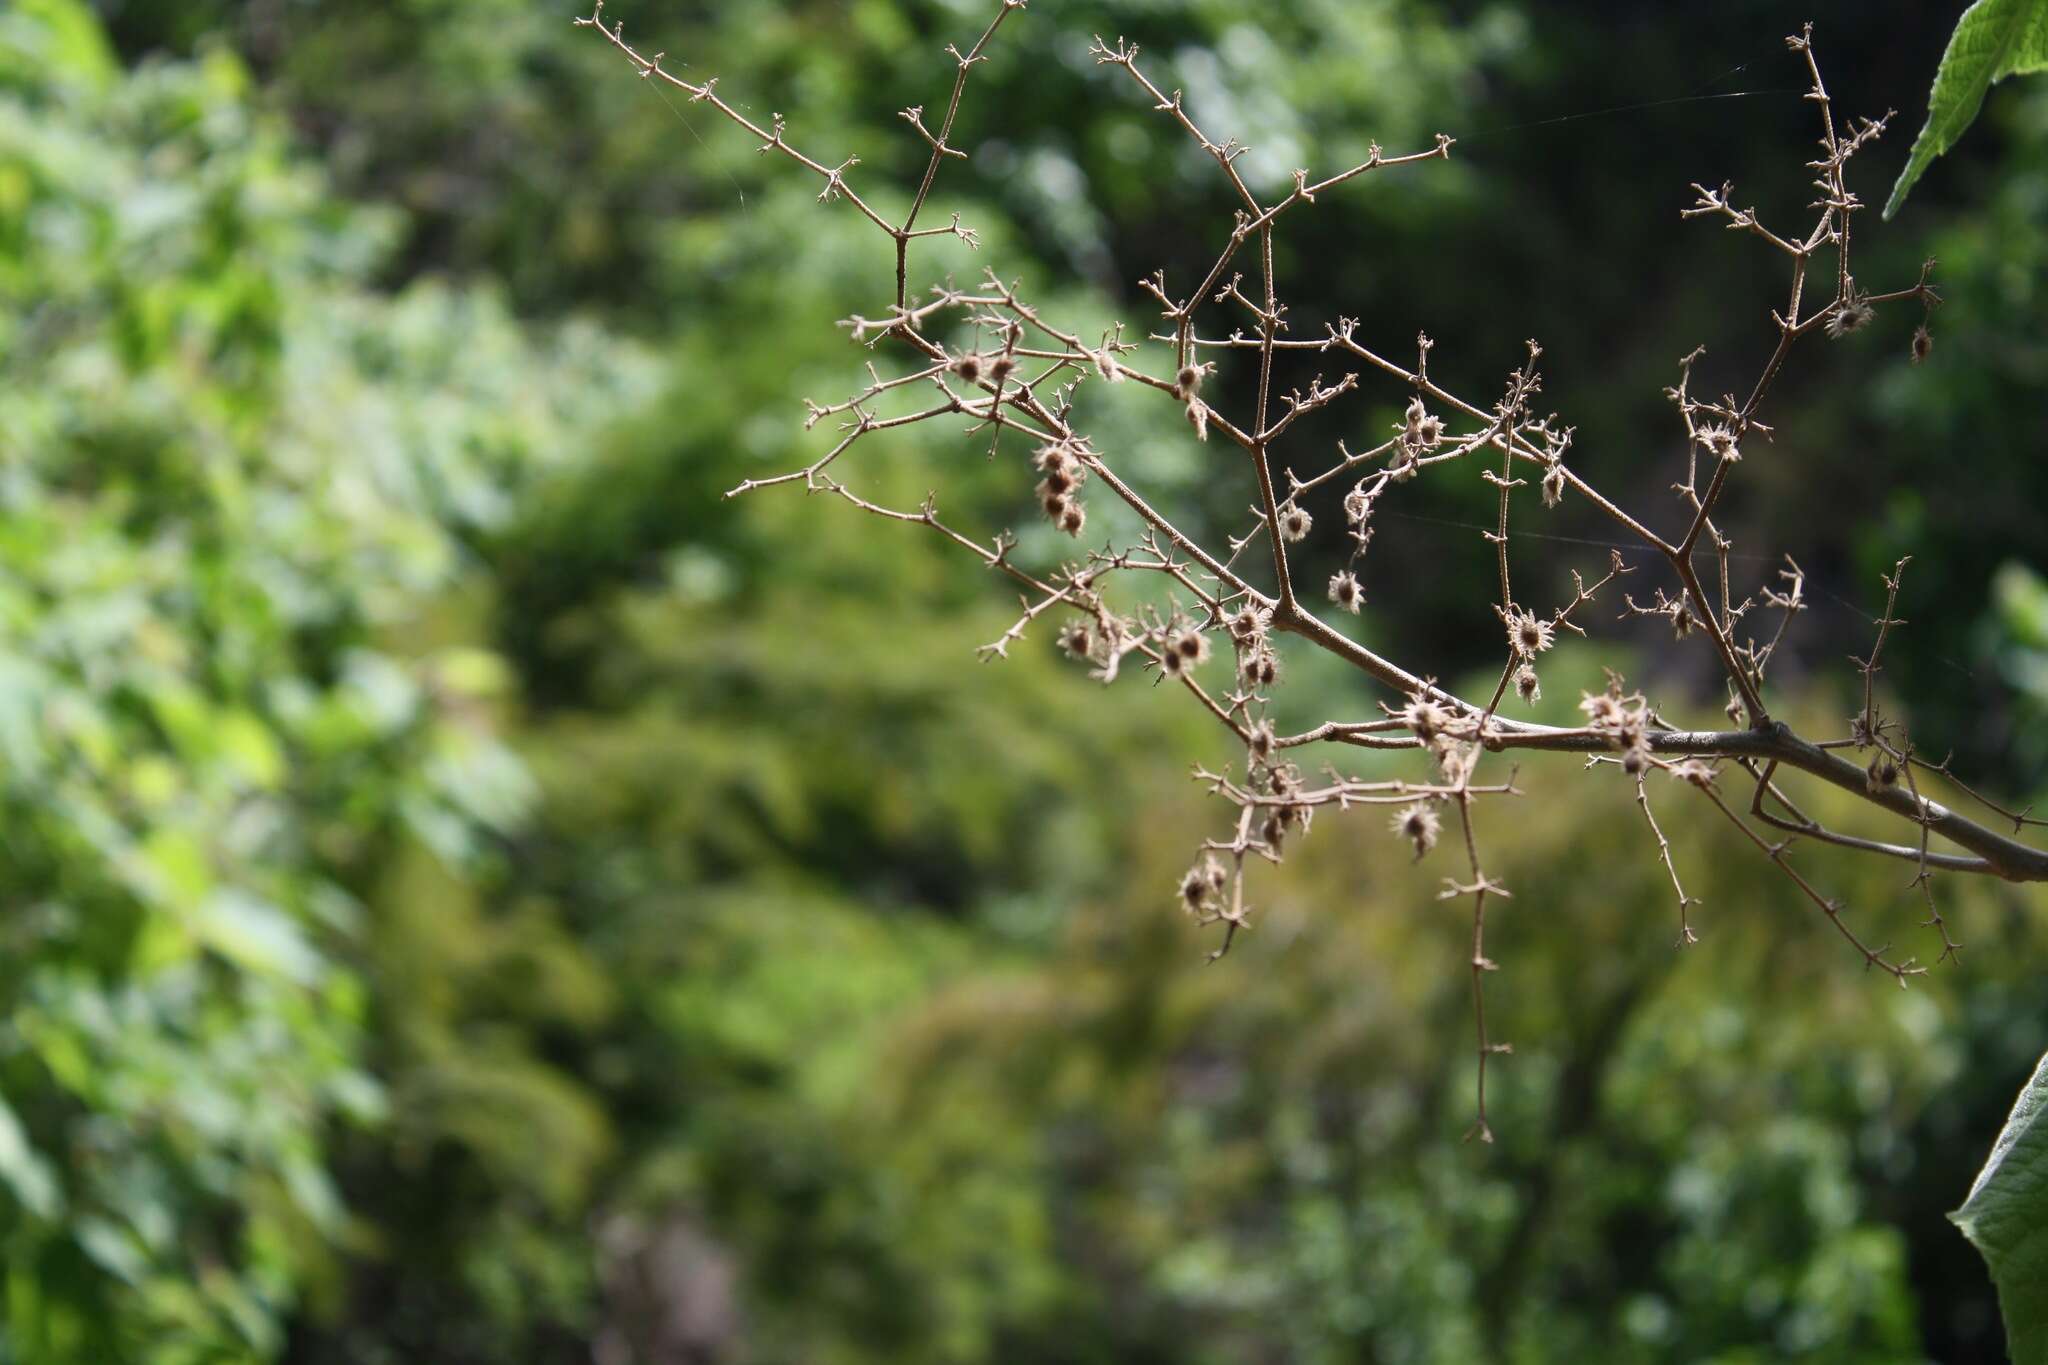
[
  {"x": 1198, "y": 418},
  {"x": 1923, "y": 343},
  {"x": 1553, "y": 485},
  {"x": 1295, "y": 523},
  {"x": 1246, "y": 624},
  {"x": 1201, "y": 884},
  {"x": 968, "y": 367},
  {"x": 1419, "y": 825},
  {"x": 1072, "y": 518},
  {"x": 1635, "y": 759},
  {"x": 1526, "y": 685},
  {"x": 1058, "y": 482},
  {"x": 1603, "y": 710},
  {"x": 1692, "y": 770},
  {"x": 1188, "y": 382},
  {"x": 1345, "y": 592},
  {"x": 1424, "y": 717},
  {"x": 1529, "y": 634},
  {"x": 1852, "y": 314},
  {"x": 1882, "y": 773},
  {"x": 1261, "y": 667},
  {"x": 1720, "y": 440},
  {"x": 1420, "y": 428},
  {"x": 1188, "y": 645},
  {"x": 1061, "y": 456},
  {"x": 1077, "y": 638},
  {"x": 1001, "y": 367}
]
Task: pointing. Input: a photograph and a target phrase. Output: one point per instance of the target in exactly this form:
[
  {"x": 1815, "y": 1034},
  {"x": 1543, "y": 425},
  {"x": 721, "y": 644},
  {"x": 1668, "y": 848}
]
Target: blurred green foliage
[
  {"x": 232, "y": 477},
  {"x": 478, "y": 896}
]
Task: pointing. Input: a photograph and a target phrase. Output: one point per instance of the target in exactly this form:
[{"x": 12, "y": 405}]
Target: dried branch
[{"x": 997, "y": 362}]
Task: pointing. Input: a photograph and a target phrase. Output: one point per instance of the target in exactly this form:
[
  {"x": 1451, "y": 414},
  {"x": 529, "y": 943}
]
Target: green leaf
[
  {"x": 2006, "y": 1218},
  {"x": 256, "y": 935},
  {"x": 1994, "y": 39},
  {"x": 25, "y": 1173}
]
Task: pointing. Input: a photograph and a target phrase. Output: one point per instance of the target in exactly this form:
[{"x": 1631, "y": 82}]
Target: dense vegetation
[{"x": 473, "y": 896}]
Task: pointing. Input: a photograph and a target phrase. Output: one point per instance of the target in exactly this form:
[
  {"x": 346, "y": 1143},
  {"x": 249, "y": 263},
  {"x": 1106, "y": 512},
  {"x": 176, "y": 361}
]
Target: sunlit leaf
[
  {"x": 1994, "y": 39},
  {"x": 2006, "y": 1217}
]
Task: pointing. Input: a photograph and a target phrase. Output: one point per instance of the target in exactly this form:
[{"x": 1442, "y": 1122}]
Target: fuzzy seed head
[
  {"x": 1419, "y": 825},
  {"x": 1188, "y": 382},
  {"x": 1295, "y": 524},
  {"x": 1692, "y": 770},
  {"x": 1246, "y": 624},
  {"x": 1345, "y": 592},
  {"x": 1261, "y": 667},
  {"x": 1453, "y": 759},
  {"x": 1553, "y": 486},
  {"x": 1851, "y": 315},
  {"x": 1187, "y": 646},
  {"x": 1077, "y": 639},
  {"x": 1526, "y": 685},
  {"x": 1529, "y": 635},
  {"x": 1072, "y": 519},
  {"x": 1062, "y": 468},
  {"x": 1424, "y": 717},
  {"x": 1721, "y": 441},
  {"x": 968, "y": 367},
  {"x": 1603, "y": 710},
  {"x": 1923, "y": 343},
  {"x": 1001, "y": 367}
]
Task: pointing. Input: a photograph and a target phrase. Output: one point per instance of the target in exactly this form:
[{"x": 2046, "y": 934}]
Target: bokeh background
[{"x": 473, "y": 896}]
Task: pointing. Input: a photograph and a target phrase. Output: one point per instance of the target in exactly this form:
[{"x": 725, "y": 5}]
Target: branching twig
[{"x": 1010, "y": 372}]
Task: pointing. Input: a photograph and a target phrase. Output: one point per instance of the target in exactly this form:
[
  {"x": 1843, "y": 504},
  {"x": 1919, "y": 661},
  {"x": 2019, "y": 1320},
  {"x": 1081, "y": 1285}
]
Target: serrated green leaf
[
  {"x": 1994, "y": 39},
  {"x": 2006, "y": 1218}
]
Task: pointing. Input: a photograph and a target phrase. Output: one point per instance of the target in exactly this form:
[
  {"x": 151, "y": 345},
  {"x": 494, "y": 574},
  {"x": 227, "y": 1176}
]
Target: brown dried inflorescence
[{"x": 1013, "y": 372}]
